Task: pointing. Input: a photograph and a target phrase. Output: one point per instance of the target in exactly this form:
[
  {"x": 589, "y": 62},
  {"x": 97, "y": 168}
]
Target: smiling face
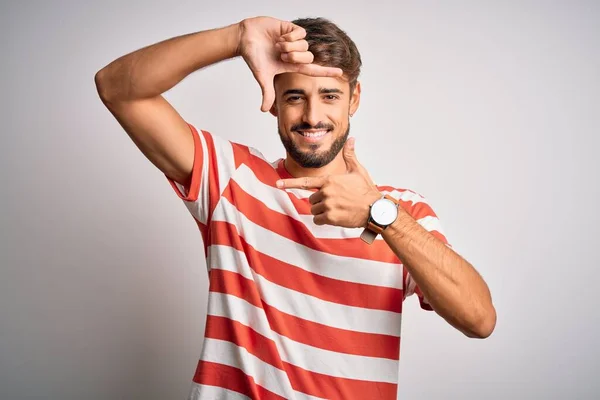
[{"x": 313, "y": 116}]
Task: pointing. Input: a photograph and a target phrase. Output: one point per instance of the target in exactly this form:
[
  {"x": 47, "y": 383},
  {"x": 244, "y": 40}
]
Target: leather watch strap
[
  {"x": 374, "y": 227},
  {"x": 387, "y": 196},
  {"x": 368, "y": 236}
]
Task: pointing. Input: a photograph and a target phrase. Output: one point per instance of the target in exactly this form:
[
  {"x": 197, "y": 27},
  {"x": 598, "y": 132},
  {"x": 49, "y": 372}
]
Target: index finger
[
  {"x": 317, "y": 70},
  {"x": 301, "y": 183}
]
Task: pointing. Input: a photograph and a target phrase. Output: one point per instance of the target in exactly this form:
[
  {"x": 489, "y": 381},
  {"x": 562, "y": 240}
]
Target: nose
[{"x": 311, "y": 114}]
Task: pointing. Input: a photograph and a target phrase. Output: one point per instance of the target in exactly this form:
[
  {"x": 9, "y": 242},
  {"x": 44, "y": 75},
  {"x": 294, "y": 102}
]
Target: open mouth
[{"x": 313, "y": 135}]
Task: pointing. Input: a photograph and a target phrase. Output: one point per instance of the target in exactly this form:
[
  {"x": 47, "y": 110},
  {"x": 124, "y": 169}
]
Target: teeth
[{"x": 314, "y": 134}]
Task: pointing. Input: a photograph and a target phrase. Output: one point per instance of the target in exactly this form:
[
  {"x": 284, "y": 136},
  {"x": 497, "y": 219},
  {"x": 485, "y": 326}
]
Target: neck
[{"x": 335, "y": 167}]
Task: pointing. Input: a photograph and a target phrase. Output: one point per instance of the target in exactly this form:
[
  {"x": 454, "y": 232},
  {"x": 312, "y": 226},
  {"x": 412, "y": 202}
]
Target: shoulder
[
  {"x": 239, "y": 152},
  {"x": 412, "y": 201}
]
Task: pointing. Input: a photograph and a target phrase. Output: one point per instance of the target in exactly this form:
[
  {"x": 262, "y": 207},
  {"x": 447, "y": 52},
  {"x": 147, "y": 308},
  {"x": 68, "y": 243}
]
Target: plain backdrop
[{"x": 489, "y": 109}]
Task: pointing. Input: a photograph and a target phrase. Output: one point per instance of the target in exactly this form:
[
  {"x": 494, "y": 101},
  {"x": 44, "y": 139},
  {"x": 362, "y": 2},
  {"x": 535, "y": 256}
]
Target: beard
[{"x": 313, "y": 158}]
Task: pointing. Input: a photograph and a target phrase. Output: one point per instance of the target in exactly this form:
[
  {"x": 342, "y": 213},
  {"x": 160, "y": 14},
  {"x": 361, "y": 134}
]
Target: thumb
[
  {"x": 352, "y": 163},
  {"x": 268, "y": 92}
]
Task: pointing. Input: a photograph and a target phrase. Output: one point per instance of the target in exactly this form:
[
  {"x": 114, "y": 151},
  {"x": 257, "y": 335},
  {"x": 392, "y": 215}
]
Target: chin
[{"x": 316, "y": 154}]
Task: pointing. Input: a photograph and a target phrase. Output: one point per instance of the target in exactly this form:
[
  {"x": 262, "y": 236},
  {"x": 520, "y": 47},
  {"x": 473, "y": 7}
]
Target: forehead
[{"x": 294, "y": 80}]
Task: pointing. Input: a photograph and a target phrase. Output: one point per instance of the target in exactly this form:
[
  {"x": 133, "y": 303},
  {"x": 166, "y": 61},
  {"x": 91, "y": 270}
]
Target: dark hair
[{"x": 332, "y": 47}]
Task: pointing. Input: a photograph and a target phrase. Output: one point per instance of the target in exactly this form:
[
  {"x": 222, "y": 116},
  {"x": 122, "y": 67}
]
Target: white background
[{"x": 489, "y": 109}]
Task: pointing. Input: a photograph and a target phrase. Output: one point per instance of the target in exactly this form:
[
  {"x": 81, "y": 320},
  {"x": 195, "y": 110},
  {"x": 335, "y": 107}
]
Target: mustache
[{"x": 305, "y": 126}]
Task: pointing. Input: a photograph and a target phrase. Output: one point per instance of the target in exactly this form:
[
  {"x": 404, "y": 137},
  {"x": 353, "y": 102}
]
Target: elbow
[
  {"x": 102, "y": 86},
  {"x": 485, "y": 325}
]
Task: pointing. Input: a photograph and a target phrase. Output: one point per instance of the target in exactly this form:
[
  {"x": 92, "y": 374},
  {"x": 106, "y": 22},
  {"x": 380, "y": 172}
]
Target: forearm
[
  {"x": 450, "y": 284},
  {"x": 151, "y": 71}
]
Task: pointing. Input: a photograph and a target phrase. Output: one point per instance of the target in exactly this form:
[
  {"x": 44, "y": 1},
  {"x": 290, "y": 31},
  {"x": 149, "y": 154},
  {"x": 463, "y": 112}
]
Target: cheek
[
  {"x": 283, "y": 123},
  {"x": 287, "y": 118},
  {"x": 341, "y": 124},
  {"x": 339, "y": 117}
]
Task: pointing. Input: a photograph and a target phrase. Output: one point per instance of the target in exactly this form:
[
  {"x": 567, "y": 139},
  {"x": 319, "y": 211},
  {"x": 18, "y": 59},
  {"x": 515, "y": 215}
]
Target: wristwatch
[{"x": 382, "y": 213}]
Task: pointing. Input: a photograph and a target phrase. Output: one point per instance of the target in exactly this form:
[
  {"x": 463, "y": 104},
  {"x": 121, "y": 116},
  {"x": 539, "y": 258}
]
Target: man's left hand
[{"x": 342, "y": 200}]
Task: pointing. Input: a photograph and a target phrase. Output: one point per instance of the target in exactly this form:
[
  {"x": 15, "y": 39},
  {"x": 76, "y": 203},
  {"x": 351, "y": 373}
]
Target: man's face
[{"x": 313, "y": 116}]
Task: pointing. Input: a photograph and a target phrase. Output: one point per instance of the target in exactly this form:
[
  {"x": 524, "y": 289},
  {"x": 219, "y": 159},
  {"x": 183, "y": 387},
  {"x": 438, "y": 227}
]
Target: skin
[
  {"x": 308, "y": 103},
  {"x": 132, "y": 86},
  {"x": 451, "y": 284}
]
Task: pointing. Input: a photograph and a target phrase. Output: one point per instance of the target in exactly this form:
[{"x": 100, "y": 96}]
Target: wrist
[
  {"x": 371, "y": 198},
  {"x": 400, "y": 225},
  {"x": 234, "y": 38}
]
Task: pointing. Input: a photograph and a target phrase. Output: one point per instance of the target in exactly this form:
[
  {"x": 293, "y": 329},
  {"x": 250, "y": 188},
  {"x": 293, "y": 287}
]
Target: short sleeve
[
  {"x": 214, "y": 164},
  {"x": 422, "y": 212}
]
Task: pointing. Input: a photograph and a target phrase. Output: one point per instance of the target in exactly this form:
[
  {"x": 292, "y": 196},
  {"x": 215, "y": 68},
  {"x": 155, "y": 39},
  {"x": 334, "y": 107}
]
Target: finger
[
  {"x": 316, "y": 197},
  {"x": 318, "y": 208},
  {"x": 315, "y": 70},
  {"x": 298, "y": 57},
  {"x": 268, "y": 93},
  {"x": 321, "y": 219},
  {"x": 301, "y": 183},
  {"x": 287, "y": 47},
  {"x": 352, "y": 163},
  {"x": 297, "y": 33}
]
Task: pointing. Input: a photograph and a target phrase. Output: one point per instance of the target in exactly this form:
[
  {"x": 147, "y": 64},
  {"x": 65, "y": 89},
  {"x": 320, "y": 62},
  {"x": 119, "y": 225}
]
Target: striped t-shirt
[{"x": 295, "y": 310}]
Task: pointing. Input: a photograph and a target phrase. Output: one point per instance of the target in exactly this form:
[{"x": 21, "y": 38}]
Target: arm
[
  {"x": 449, "y": 283},
  {"x": 131, "y": 87}
]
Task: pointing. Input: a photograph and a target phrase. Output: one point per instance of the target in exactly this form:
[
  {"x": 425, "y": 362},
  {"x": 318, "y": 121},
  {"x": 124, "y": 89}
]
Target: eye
[
  {"x": 331, "y": 97},
  {"x": 294, "y": 99}
]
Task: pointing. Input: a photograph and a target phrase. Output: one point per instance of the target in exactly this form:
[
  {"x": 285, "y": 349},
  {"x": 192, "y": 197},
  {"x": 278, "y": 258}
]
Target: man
[{"x": 309, "y": 261}]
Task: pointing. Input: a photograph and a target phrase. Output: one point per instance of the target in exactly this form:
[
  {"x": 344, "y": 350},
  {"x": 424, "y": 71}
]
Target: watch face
[{"x": 384, "y": 212}]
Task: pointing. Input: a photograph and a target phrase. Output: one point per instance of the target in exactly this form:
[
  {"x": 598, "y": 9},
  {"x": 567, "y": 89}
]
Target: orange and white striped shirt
[{"x": 295, "y": 310}]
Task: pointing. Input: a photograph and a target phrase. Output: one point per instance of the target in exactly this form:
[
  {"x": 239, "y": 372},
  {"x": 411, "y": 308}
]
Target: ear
[
  {"x": 355, "y": 99},
  {"x": 274, "y": 110}
]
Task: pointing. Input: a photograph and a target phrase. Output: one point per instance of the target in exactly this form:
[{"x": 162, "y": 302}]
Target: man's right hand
[
  {"x": 131, "y": 86},
  {"x": 271, "y": 47}
]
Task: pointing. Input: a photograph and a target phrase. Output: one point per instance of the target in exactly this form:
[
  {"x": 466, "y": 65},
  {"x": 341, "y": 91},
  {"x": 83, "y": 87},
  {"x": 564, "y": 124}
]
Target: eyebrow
[{"x": 321, "y": 91}]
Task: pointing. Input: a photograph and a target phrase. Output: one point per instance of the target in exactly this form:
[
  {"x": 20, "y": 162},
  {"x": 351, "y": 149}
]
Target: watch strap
[
  {"x": 371, "y": 231},
  {"x": 368, "y": 236},
  {"x": 372, "y": 226}
]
